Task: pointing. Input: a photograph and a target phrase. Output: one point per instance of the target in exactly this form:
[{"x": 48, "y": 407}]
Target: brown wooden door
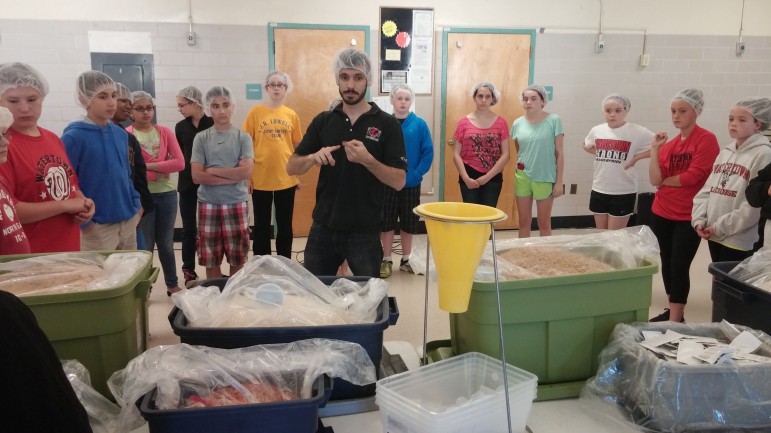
[
  {"x": 504, "y": 60},
  {"x": 307, "y": 55}
]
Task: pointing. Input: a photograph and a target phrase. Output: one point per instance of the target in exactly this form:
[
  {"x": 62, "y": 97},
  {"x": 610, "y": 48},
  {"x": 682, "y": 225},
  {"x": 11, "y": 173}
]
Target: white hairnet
[
  {"x": 489, "y": 86},
  {"x": 192, "y": 94},
  {"x": 141, "y": 94},
  {"x": 122, "y": 91},
  {"x": 13, "y": 75},
  {"x": 284, "y": 76},
  {"x": 619, "y": 99},
  {"x": 400, "y": 87},
  {"x": 218, "y": 91},
  {"x": 90, "y": 84},
  {"x": 760, "y": 108},
  {"x": 694, "y": 97},
  {"x": 351, "y": 58},
  {"x": 334, "y": 102},
  {"x": 538, "y": 89},
  {"x": 6, "y": 118}
]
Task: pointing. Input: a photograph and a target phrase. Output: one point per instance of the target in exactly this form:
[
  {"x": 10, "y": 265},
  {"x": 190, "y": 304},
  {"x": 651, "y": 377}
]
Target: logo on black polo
[{"x": 373, "y": 134}]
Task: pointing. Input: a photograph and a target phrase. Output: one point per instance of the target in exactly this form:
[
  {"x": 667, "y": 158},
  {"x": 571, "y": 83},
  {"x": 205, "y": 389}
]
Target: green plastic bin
[
  {"x": 554, "y": 327},
  {"x": 103, "y": 329}
]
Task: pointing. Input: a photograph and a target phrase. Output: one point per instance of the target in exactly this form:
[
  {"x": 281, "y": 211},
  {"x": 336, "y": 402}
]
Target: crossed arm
[{"x": 222, "y": 175}]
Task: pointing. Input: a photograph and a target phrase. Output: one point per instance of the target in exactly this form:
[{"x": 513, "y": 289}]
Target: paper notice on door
[{"x": 393, "y": 55}]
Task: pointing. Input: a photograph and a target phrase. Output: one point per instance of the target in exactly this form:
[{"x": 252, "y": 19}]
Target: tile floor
[{"x": 546, "y": 417}]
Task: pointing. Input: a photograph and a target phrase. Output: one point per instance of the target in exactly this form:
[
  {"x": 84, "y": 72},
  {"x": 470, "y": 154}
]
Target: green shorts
[{"x": 524, "y": 187}]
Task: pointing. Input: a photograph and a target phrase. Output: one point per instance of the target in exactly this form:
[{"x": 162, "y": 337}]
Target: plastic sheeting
[
  {"x": 755, "y": 270},
  {"x": 621, "y": 249},
  {"x": 276, "y": 292},
  {"x": 188, "y": 376},
  {"x": 102, "y": 413},
  {"x": 635, "y": 387},
  {"x": 70, "y": 272}
]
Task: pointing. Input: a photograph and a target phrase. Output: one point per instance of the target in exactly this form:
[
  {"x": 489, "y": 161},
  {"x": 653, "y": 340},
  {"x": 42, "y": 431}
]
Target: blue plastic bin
[
  {"x": 368, "y": 335},
  {"x": 298, "y": 416}
]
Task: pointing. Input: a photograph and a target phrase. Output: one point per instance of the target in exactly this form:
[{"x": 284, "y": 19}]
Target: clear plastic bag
[
  {"x": 70, "y": 272},
  {"x": 275, "y": 291},
  {"x": 190, "y": 376},
  {"x": 102, "y": 413},
  {"x": 635, "y": 387},
  {"x": 755, "y": 270},
  {"x": 618, "y": 249}
]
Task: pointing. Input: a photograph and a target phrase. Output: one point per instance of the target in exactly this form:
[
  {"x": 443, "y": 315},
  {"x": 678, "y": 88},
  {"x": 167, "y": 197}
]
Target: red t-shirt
[
  {"x": 38, "y": 170},
  {"x": 12, "y": 237},
  {"x": 692, "y": 160},
  {"x": 481, "y": 148}
]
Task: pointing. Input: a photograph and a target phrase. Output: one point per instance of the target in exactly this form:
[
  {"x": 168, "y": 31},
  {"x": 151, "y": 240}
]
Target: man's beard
[{"x": 358, "y": 97}]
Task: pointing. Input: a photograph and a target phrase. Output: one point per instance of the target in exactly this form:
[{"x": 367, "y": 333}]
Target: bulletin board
[{"x": 407, "y": 48}]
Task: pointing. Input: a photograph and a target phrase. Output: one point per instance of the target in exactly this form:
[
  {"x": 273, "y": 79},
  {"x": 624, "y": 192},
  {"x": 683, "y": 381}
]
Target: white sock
[
  {"x": 387, "y": 259},
  {"x": 406, "y": 258}
]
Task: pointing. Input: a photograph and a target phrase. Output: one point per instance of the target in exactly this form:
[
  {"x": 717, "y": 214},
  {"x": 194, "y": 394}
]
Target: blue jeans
[
  {"x": 327, "y": 248},
  {"x": 158, "y": 227},
  {"x": 486, "y": 194}
]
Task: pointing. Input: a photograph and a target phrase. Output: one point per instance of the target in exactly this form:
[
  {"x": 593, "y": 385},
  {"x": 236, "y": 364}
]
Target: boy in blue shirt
[{"x": 98, "y": 151}]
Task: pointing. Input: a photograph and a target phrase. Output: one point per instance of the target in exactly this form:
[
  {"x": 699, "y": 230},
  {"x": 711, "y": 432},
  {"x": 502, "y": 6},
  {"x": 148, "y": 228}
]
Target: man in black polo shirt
[{"x": 359, "y": 148}]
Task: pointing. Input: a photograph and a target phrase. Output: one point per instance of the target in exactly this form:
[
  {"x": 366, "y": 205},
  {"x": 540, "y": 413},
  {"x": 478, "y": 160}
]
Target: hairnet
[
  {"x": 351, "y": 58},
  {"x": 489, "y": 86},
  {"x": 192, "y": 94},
  {"x": 694, "y": 97},
  {"x": 396, "y": 88},
  {"x": 6, "y": 118},
  {"x": 760, "y": 108},
  {"x": 538, "y": 89},
  {"x": 619, "y": 99},
  {"x": 13, "y": 75},
  {"x": 90, "y": 84},
  {"x": 122, "y": 91},
  {"x": 141, "y": 94},
  {"x": 334, "y": 102},
  {"x": 284, "y": 76},
  {"x": 218, "y": 91}
]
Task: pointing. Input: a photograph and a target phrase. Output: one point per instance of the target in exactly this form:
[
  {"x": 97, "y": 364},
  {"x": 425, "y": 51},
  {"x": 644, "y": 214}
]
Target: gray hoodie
[{"x": 721, "y": 202}]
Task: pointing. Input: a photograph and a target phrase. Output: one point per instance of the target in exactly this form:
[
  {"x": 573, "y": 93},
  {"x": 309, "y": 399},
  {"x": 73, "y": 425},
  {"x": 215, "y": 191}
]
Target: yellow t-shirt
[{"x": 275, "y": 132}]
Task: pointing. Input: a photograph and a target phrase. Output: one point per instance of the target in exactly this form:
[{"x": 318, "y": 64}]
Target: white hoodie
[{"x": 721, "y": 203}]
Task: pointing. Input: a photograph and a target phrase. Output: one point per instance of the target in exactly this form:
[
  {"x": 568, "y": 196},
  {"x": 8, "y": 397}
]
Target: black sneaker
[
  {"x": 664, "y": 317},
  {"x": 404, "y": 266}
]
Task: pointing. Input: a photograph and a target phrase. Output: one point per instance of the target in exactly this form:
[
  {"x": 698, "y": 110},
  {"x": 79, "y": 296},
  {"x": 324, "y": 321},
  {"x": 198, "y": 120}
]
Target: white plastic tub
[{"x": 426, "y": 400}]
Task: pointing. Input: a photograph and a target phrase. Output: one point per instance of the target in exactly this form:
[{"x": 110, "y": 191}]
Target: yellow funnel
[{"x": 457, "y": 233}]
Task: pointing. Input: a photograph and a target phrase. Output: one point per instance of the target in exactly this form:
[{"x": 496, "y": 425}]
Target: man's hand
[
  {"x": 324, "y": 155},
  {"x": 357, "y": 152}
]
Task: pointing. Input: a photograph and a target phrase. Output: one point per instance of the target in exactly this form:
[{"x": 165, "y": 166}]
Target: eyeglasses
[
  {"x": 144, "y": 109},
  {"x": 276, "y": 85},
  {"x": 184, "y": 105}
]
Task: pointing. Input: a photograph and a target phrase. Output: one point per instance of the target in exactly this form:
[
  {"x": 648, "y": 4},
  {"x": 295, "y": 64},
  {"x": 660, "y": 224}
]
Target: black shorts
[
  {"x": 399, "y": 205},
  {"x": 616, "y": 205}
]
